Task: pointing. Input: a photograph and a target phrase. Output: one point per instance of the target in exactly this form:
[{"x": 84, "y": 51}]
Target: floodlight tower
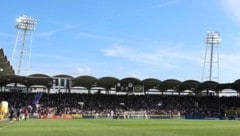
[
  {"x": 25, "y": 26},
  {"x": 211, "y": 58}
]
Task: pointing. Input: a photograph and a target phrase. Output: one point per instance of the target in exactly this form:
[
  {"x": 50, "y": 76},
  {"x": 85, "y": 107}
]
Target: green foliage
[{"x": 116, "y": 127}]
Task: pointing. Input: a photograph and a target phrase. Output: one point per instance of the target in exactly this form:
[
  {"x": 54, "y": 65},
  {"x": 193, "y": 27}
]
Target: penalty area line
[{"x": 8, "y": 125}]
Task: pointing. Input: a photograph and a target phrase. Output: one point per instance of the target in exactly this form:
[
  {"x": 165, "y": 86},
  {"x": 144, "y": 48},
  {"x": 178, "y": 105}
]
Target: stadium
[
  {"x": 127, "y": 103},
  {"x": 115, "y": 68}
]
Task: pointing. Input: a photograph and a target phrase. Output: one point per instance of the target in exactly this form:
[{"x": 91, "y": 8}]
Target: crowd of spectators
[{"x": 66, "y": 103}]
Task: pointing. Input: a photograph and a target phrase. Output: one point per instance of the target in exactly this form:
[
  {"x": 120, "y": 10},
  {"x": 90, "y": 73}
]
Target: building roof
[
  {"x": 8, "y": 76},
  {"x": 5, "y": 67}
]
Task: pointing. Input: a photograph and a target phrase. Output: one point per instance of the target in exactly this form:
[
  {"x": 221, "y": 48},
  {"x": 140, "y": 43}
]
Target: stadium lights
[
  {"x": 212, "y": 39},
  {"x": 25, "y": 23}
]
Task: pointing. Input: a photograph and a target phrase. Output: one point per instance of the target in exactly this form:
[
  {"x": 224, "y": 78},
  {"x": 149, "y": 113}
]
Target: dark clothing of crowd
[{"x": 65, "y": 103}]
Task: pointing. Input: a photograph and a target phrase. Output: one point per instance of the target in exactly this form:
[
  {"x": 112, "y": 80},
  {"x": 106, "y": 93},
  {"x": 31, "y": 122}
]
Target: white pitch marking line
[{"x": 9, "y": 125}]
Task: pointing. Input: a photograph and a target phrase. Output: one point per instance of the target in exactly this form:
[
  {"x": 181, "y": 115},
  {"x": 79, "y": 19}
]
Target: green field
[{"x": 104, "y": 127}]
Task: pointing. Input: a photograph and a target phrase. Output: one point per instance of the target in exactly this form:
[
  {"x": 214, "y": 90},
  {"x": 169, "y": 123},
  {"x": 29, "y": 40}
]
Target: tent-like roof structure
[
  {"x": 151, "y": 83},
  {"x": 107, "y": 82},
  {"x": 7, "y": 76},
  {"x": 5, "y": 67},
  {"x": 39, "y": 79},
  {"x": 63, "y": 76},
  {"x": 189, "y": 85},
  {"x": 84, "y": 81},
  {"x": 172, "y": 84},
  {"x": 131, "y": 80},
  {"x": 208, "y": 85},
  {"x": 110, "y": 82}
]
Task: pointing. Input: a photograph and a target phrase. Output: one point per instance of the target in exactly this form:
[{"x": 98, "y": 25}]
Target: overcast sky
[{"x": 160, "y": 39}]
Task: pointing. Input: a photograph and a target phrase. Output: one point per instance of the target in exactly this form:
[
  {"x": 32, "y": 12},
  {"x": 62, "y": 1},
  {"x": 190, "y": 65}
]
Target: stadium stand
[{"x": 44, "y": 95}]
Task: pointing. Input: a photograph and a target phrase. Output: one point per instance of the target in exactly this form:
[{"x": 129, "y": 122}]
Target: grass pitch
[{"x": 104, "y": 127}]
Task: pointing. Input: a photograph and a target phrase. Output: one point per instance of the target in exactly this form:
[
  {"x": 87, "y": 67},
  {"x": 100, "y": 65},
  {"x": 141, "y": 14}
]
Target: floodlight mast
[
  {"x": 24, "y": 23},
  {"x": 212, "y": 39}
]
